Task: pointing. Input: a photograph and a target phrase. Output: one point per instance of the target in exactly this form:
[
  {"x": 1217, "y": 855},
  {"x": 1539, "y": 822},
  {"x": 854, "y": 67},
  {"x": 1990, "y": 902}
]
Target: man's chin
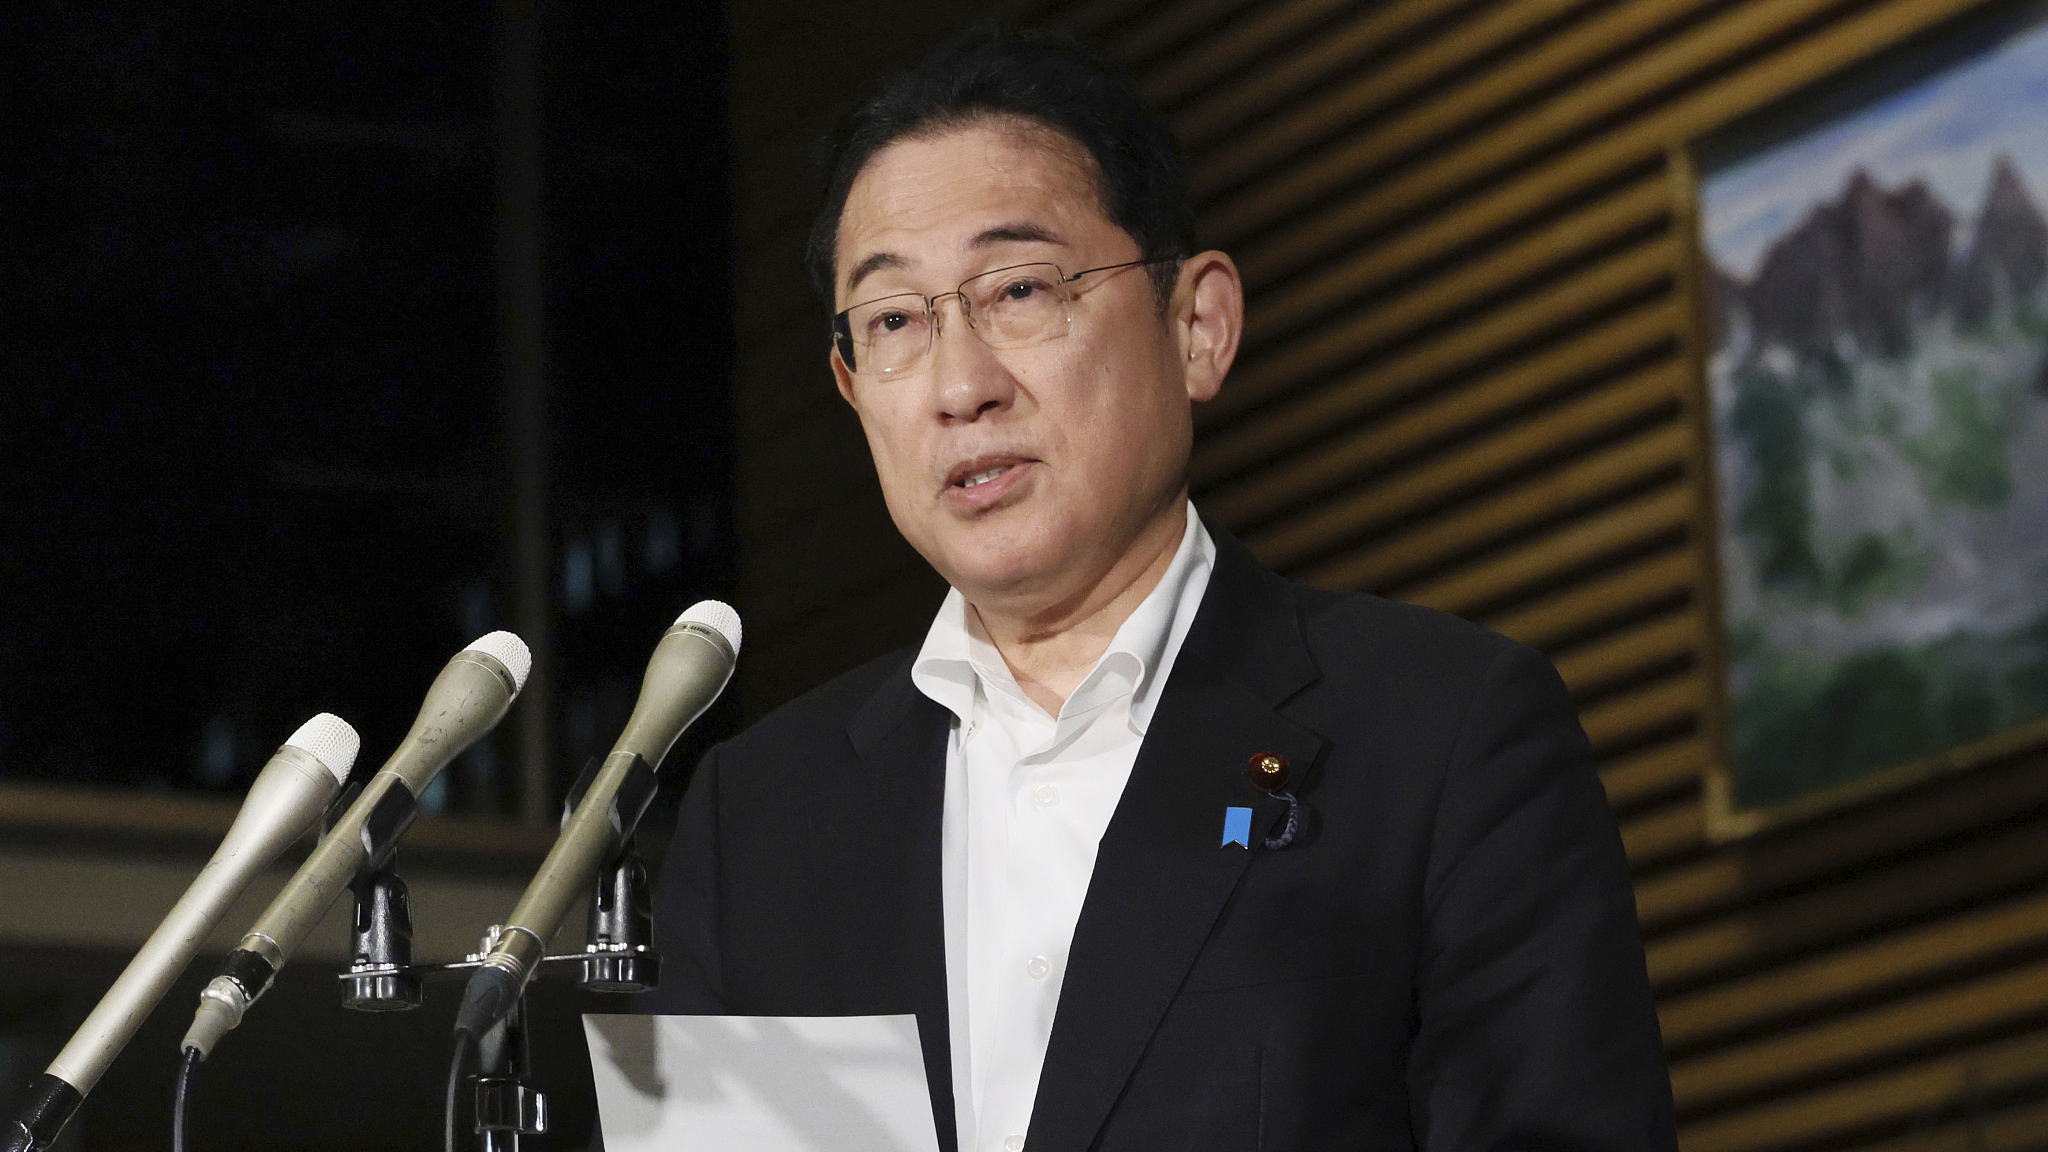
[{"x": 993, "y": 559}]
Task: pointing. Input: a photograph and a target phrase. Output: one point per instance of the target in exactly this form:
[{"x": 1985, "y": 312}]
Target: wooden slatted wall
[{"x": 1470, "y": 382}]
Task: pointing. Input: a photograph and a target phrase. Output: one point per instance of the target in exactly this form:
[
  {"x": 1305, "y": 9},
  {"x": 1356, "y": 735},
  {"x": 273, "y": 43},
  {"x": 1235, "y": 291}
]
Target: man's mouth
[{"x": 969, "y": 475}]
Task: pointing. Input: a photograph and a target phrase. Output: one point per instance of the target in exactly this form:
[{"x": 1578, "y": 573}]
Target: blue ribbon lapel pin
[{"x": 1237, "y": 827}]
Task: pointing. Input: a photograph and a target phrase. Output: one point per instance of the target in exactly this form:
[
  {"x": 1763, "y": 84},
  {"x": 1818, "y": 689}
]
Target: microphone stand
[
  {"x": 619, "y": 958},
  {"x": 507, "y": 1107}
]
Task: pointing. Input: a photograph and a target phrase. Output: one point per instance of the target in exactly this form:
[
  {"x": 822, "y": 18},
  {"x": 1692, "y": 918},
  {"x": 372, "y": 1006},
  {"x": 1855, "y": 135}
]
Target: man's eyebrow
[
  {"x": 1016, "y": 233},
  {"x": 1001, "y": 234},
  {"x": 875, "y": 262}
]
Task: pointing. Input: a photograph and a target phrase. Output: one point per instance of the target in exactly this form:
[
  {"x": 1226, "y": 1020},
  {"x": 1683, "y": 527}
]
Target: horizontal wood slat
[
  {"x": 1758, "y": 869},
  {"x": 1668, "y": 896},
  {"x": 1319, "y": 233},
  {"x": 1349, "y": 162},
  {"x": 1288, "y": 123},
  {"x": 1914, "y": 1090},
  {"x": 1523, "y": 133},
  {"x": 1555, "y": 617},
  {"x": 1641, "y": 774},
  {"x": 2011, "y": 1129},
  {"x": 1588, "y": 228},
  {"x": 1171, "y": 24},
  {"x": 1653, "y": 706},
  {"x": 1091, "y": 20},
  {"x": 1514, "y": 508},
  {"x": 2004, "y": 997},
  {"x": 1793, "y": 926},
  {"x": 1262, "y": 29},
  {"x": 1620, "y": 276},
  {"x": 1656, "y": 642},
  {"x": 1837, "y": 975},
  {"x": 1576, "y": 543},
  {"x": 1402, "y": 255},
  {"x": 1526, "y": 442},
  {"x": 1666, "y": 831}
]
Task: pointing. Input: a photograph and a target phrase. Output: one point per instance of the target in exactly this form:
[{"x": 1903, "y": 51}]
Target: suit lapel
[
  {"x": 1162, "y": 875},
  {"x": 876, "y": 848}
]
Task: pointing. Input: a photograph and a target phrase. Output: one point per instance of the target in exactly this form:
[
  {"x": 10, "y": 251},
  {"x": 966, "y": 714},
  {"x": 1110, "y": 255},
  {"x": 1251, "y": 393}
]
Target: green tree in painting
[
  {"x": 1963, "y": 455},
  {"x": 1779, "y": 512}
]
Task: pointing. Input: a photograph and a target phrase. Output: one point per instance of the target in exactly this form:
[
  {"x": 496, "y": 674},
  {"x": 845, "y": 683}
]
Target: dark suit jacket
[{"x": 1448, "y": 959}]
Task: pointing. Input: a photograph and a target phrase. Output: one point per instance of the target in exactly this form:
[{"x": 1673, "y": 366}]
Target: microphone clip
[
  {"x": 380, "y": 975},
  {"x": 620, "y": 955}
]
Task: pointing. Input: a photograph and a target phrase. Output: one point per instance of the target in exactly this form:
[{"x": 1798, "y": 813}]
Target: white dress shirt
[{"x": 1028, "y": 797}]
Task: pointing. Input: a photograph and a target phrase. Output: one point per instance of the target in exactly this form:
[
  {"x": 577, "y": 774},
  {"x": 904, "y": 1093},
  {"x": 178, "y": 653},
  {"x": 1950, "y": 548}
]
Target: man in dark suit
[{"x": 1163, "y": 851}]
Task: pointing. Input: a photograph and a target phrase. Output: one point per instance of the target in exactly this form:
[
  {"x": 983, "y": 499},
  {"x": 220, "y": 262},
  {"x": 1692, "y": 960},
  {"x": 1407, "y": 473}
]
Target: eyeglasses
[{"x": 1007, "y": 308}]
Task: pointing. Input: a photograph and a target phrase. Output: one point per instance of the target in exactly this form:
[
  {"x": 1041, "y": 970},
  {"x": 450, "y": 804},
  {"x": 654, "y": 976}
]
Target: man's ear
[
  {"x": 1208, "y": 320},
  {"x": 841, "y": 376}
]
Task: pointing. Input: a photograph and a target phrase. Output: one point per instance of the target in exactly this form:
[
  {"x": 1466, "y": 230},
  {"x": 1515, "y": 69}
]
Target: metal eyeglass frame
[{"x": 842, "y": 329}]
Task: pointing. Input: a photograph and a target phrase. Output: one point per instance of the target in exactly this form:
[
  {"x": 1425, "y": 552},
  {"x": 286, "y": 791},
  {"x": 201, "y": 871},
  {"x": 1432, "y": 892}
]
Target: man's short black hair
[{"x": 1038, "y": 76}]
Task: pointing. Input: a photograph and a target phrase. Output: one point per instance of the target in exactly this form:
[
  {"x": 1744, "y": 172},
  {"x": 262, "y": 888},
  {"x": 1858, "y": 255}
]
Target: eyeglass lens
[{"x": 1007, "y": 308}]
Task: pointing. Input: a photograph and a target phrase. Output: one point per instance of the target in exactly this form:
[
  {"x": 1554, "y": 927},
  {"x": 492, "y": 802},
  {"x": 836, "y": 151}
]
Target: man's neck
[{"x": 1050, "y": 650}]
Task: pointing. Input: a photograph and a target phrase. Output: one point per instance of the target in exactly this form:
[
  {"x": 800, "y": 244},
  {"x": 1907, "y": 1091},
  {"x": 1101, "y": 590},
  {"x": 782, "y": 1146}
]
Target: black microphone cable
[
  {"x": 188, "y": 1059},
  {"x": 458, "y": 1065}
]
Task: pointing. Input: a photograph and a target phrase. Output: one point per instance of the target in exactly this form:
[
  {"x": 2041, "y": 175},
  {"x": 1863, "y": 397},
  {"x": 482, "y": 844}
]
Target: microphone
[
  {"x": 287, "y": 798},
  {"x": 688, "y": 670},
  {"x": 466, "y": 700}
]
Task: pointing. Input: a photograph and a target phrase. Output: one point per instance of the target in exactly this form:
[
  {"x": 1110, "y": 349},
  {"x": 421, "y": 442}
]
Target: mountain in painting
[
  {"x": 1864, "y": 270},
  {"x": 1862, "y": 266},
  {"x": 2009, "y": 256}
]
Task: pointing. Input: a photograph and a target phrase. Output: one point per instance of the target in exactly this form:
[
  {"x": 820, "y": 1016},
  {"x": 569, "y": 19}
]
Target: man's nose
[{"x": 968, "y": 378}]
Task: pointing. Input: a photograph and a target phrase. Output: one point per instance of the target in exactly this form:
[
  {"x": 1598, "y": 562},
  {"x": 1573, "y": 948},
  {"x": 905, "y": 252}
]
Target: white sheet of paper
[{"x": 760, "y": 1083}]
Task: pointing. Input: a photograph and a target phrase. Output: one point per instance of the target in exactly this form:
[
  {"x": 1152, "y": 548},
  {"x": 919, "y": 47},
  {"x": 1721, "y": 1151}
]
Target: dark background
[
  {"x": 255, "y": 439},
  {"x": 254, "y": 414}
]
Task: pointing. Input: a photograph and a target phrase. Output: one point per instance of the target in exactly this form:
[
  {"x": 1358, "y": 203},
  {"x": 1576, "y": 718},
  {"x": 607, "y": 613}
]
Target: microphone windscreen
[
  {"x": 717, "y": 616},
  {"x": 330, "y": 740},
  {"x": 508, "y": 650}
]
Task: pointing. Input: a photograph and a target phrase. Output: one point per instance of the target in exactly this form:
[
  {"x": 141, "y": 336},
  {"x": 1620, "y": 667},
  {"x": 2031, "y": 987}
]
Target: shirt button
[
  {"x": 1013, "y": 1143},
  {"x": 1045, "y": 795},
  {"x": 1037, "y": 968}
]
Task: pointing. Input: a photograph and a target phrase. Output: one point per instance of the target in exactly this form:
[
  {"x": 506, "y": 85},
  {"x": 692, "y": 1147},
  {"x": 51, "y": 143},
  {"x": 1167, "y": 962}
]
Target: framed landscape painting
[{"x": 1874, "y": 273}]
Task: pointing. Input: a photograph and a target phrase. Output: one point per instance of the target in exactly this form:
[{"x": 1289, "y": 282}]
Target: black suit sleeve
[
  {"x": 1535, "y": 1024},
  {"x": 687, "y": 905}
]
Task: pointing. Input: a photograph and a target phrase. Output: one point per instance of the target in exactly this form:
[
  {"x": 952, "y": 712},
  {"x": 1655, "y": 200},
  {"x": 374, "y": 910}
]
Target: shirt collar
[
  {"x": 958, "y": 663},
  {"x": 1155, "y": 631}
]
